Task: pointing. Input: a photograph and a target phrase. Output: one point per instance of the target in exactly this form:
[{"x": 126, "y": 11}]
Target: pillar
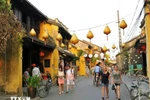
[{"x": 147, "y": 31}]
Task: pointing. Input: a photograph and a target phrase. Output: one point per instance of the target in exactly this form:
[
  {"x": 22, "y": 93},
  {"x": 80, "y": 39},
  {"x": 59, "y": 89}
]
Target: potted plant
[{"x": 33, "y": 83}]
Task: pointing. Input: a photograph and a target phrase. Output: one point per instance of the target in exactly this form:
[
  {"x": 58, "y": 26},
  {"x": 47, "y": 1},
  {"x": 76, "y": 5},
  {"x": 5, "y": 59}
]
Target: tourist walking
[
  {"x": 105, "y": 75},
  {"x": 116, "y": 80},
  {"x": 61, "y": 80},
  {"x": 70, "y": 79}
]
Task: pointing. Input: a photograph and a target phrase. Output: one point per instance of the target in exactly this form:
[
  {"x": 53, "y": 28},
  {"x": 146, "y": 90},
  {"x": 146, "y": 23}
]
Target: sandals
[{"x": 107, "y": 96}]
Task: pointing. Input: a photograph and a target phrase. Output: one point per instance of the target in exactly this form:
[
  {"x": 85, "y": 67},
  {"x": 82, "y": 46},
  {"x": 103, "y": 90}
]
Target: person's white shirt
[{"x": 35, "y": 71}]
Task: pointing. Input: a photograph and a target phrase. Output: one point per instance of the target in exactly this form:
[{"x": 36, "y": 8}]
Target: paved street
[{"x": 85, "y": 90}]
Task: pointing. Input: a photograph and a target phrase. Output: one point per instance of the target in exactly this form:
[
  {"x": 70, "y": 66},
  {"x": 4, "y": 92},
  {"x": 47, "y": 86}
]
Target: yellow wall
[
  {"x": 54, "y": 55},
  {"x": 80, "y": 63},
  {"x": 11, "y": 69}
]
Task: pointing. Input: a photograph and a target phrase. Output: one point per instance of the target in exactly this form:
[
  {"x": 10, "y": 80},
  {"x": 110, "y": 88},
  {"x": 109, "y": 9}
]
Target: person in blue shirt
[{"x": 97, "y": 69}]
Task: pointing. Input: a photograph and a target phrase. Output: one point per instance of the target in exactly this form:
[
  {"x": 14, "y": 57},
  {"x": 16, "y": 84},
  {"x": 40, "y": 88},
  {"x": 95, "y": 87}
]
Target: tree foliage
[{"x": 10, "y": 27}]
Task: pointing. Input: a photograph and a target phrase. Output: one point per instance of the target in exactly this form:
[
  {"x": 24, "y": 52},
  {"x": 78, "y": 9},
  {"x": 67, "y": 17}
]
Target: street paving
[{"x": 85, "y": 90}]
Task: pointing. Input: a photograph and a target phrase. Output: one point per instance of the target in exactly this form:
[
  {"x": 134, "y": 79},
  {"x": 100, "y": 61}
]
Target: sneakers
[
  {"x": 62, "y": 92},
  {"x": 102, "y": 98}
]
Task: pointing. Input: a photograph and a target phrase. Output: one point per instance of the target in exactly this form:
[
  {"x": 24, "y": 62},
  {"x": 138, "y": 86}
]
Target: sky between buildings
[{"x": 94, "y": 15}]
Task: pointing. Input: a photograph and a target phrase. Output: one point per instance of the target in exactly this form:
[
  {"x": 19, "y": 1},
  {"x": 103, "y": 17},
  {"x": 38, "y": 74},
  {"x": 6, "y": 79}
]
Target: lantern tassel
[
  {"x": 44, "y": 42},
  {"x": 32, "y": 39},
  {"x": 123, "y": 31},
  {"x": 107, "y": 37}
]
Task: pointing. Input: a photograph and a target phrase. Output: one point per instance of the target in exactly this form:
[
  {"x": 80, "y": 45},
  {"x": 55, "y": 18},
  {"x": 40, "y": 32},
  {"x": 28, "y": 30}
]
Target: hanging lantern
[
  {"x": 74, "y": 39},
  {"x": 95, "y": 48},
  {"x": 45, "y": 36},
  {"x": 78, "y": 48},
  {"x": 123, "y": 45},
  {"x": 86, "y": 48},
  {"x": 107, "y": 31},
  {"x": 90, "y": 35},
  {"x": 113, "y": 46},
  {"x": 32, "y": 33},
  {"x": 104, "y": 49},
  {"x": 143, "y": 31},
  {"x": 123, "y": 25},
  {"x": 62, "y": 45},
  {"x": 42, "y": 54},
  {"x": 70, "y": 46},
  {"x": 58, "y": 37}
]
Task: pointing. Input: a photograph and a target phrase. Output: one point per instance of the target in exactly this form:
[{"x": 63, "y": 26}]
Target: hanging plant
[{"x": 10, "y": 27}]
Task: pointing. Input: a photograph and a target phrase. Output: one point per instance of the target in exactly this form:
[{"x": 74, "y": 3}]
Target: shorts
[
  {"x": 105, "y": 84},
  {"x": 70, "y": 82},
  {"x": 117, "y": 84}
]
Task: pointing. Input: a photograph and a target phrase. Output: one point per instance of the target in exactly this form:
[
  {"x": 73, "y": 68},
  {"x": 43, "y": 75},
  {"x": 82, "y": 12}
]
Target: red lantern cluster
[
  {"x": 142, "y": 48},
  {"x": 42, "y": 54}
]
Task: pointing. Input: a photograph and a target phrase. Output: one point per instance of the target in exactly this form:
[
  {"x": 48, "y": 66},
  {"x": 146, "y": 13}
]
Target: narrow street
[{"x": 85, "y": 90}]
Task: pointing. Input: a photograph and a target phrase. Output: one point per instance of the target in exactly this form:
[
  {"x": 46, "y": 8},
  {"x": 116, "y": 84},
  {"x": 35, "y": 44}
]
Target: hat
[{"x": 33, "y": 65}]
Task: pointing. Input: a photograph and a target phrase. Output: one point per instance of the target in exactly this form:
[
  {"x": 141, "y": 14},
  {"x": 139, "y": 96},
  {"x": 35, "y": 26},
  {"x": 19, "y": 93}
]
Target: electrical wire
[
  {"x": 134, "y": 28},
  {"x": 114, "y": 21}
]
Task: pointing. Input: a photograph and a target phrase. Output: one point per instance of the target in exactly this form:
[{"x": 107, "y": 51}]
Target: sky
[{"x": 87, "y": 14}]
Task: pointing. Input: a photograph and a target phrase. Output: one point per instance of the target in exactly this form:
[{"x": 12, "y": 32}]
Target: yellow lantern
[
  {"x": 74, "y": 39},
  {"x": 107, "y": 31},
  {"x": 78, "y": 48},
  {"x": 123, "y": 25},
  {"x": 58, "y": 37},
  {"x": 104, "y": 49},
  {"x": 113, "y": 46},
  {"x": 86, "y": 48},
  {"x": 90, "y": 35},
  {"x": 70, "y": 46},
  {"x": 45, "y": 36},
  {"x": 143, "y": 31},
  {"x": 95, "y": 48},
  {"x": 62, "y": 45},
  {"x": 32, "y": 33},
  {"x": 123, "y": 45}
]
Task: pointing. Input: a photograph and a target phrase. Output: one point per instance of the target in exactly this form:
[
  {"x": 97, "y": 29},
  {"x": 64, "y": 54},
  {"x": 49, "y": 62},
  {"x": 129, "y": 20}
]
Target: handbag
[{"x": 113, "y": 87}]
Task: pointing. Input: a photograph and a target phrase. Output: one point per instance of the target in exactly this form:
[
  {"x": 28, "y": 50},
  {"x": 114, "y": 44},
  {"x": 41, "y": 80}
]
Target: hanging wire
[
  {"x": 114, "y": 21},
  {"x": 134, "y": 28}
]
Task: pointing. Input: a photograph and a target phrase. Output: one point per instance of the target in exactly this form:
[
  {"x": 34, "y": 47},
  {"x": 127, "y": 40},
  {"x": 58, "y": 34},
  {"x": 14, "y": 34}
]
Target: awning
[
  {"x": 68, "y": 53},
  {"x": 28, "y": 43},
  {"x": 140, "y": 42}
]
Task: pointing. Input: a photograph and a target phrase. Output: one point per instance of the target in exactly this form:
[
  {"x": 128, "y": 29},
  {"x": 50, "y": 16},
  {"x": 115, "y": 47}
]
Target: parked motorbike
[
  {"x": 96, "y": 79},
  {"x": 44, "y": 89}
]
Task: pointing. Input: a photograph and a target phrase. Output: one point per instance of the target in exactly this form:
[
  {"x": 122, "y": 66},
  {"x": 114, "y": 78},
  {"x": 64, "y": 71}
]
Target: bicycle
[
  {"x": 43, "y": 89},
  {"x": 136, "y": 93}
]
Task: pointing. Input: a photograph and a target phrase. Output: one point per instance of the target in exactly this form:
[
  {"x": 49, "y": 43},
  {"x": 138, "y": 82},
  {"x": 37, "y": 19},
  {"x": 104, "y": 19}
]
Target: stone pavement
[
  {"x": 4, "y": 96},
  {"x": 128, "y": 82}
]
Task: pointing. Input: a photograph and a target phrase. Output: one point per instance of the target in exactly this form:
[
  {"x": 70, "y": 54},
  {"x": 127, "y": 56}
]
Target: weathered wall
[{"x": 11, "y": 69}]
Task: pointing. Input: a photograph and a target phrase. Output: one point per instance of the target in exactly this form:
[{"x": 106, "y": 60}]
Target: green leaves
[{"x": 33, "y": 81}]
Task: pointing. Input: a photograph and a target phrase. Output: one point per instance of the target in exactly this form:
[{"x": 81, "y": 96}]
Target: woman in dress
[
  {"x": 105, "y": 75},
  {"x": 61, "y": 80},
  {"x": 117, "y": 80}
]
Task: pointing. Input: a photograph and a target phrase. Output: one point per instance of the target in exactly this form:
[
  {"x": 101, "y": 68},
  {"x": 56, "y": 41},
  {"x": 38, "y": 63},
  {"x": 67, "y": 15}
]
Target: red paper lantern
[
  {"x": 143, "y": 48},
  {"x": 41, "y": 54}
]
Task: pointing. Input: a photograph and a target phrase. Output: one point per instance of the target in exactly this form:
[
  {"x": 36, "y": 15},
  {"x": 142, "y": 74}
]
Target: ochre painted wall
[
  {"x": 11, "y": 69},
  {"x": 80, "y": 63},
  {"x": 54, "y": 55}
]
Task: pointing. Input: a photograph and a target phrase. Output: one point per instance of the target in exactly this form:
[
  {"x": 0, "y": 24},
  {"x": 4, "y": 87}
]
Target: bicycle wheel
[
  {"x": 133, "y": 93},
  {"x": 142, "y": 97},
  {"x": 43, "y": 91}
]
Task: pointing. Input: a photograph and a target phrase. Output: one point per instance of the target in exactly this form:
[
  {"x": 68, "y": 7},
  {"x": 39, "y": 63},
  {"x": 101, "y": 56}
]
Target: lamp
[
  {"x": 107, "y": 31},
  {"x": 74, "y": 39},
  {"x": 32, "y": 33},
  {"x": 123, "y": 25},
  {"x": 45, "y": 35}
]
